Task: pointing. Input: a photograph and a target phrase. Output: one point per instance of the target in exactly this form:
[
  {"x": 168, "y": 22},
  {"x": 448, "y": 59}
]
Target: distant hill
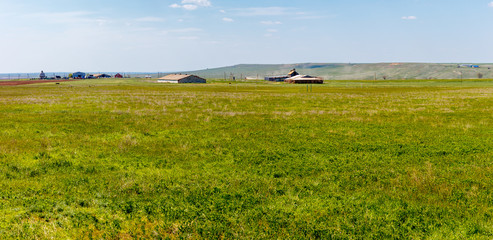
[
  {"x": 329, "y": 71},
  {"x": 341, "y": 71}
]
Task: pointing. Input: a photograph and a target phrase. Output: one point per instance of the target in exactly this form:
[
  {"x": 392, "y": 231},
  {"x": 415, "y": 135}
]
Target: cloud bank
[
  {"x": 191, "y": 4},
  {"x": 409, "y": 18}
]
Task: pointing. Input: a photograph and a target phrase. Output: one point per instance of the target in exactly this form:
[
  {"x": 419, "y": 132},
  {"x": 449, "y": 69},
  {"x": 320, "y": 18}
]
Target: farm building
[
  {"x": 181, "y": 78},
  {"x": 304, "y": 79},
  {"x": 103, "y": 75},
  {"x": 78, "y": 75},
  {"x": 292, "y": 73},
  {"x": 118, "y": 75},
  {"x": 276, "y": 78}
]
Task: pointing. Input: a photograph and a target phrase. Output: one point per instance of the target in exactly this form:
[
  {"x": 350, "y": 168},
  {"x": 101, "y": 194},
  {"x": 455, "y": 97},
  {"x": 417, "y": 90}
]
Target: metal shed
[{"x": 181, "y": 78}]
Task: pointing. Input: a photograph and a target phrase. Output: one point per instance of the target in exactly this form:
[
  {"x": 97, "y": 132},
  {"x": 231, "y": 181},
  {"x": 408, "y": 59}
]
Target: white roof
[{"x": 303, "y": 77}]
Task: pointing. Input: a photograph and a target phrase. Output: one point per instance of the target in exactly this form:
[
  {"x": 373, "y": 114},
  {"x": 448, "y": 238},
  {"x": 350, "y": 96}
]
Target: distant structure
[
  {"x": 101, "y": 75},
  {"x": 468, "y": 66},
  {"x": 181, "y": 78},
  {"x": 282, "y": 78},
  {"x": 78, "y": 75},
  {"x": 276, "y": 78},
  {"x": 294, "y": 77},
  {"x": 42, "y": 75},
  {"x": 304, "y": 79},
  {"x": 118, "y": 75},
  {"x": 293, "y": 73}
]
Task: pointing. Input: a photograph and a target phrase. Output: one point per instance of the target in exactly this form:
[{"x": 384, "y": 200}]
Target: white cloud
[
  {"x": 228, "y": 19},
  {"x": 409, "y": 18},
  {"x": 189, "y": 7},
  {"x": 490, "y": 4},
  {"x": 222, "y": 11},
  {"x": 271, "y": 22},
  {"x": 191, "y": 4},
  {"x": 202, "y": 3},
  {"x": 272, "y": 30}
]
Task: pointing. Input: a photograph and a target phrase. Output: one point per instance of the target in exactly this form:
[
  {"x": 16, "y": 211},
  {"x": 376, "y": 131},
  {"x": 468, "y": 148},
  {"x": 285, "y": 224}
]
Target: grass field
[{"x": 125, "y": 159}]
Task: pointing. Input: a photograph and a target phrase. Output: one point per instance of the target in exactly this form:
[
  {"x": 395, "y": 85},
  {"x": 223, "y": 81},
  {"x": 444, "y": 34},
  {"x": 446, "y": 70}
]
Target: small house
[
  {"x": 118, "y": 75},
  {"x": 181, "y": 78}
]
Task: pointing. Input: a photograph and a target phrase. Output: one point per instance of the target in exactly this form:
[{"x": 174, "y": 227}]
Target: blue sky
[{"x": 174, "y": 35}]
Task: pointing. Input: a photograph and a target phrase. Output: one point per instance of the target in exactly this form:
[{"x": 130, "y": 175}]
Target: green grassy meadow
[{"x": 133, "y": 159}]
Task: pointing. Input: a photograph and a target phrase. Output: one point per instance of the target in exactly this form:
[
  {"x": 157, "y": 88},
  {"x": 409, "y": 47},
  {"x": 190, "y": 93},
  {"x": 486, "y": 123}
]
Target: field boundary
[{"x": 16, "y": 83}]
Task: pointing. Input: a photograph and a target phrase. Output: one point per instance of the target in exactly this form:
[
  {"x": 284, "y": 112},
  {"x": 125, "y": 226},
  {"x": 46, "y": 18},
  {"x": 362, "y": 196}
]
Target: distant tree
[
  {"x": 70, "y": 75},
  {"x": 480, "y": 75}
]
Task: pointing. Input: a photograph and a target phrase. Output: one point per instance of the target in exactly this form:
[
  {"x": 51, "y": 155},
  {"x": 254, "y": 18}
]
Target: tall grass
[{"x": 134, "y": 159}]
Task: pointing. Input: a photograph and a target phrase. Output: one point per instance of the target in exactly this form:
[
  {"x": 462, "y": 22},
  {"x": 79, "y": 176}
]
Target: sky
[{"x": 183, "y": 35}]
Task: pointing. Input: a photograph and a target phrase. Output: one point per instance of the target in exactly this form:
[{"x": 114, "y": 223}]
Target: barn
[
  {"x": 276, "y": 78},
  {"x": 283, "y": 78},
  {"x": 304, "y": 79},
  {"x": 78, "y": 75},
  {"x": 118, "y": 75},
  {"x": 181, "y": 78}
]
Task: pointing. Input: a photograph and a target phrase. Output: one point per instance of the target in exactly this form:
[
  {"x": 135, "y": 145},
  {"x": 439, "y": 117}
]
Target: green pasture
[{"x": 133, "y": 159}]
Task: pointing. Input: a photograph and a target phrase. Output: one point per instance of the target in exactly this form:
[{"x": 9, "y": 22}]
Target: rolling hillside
[
  {"x": 336, "y": 71},
  {"x": 329, "y": 71}
]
